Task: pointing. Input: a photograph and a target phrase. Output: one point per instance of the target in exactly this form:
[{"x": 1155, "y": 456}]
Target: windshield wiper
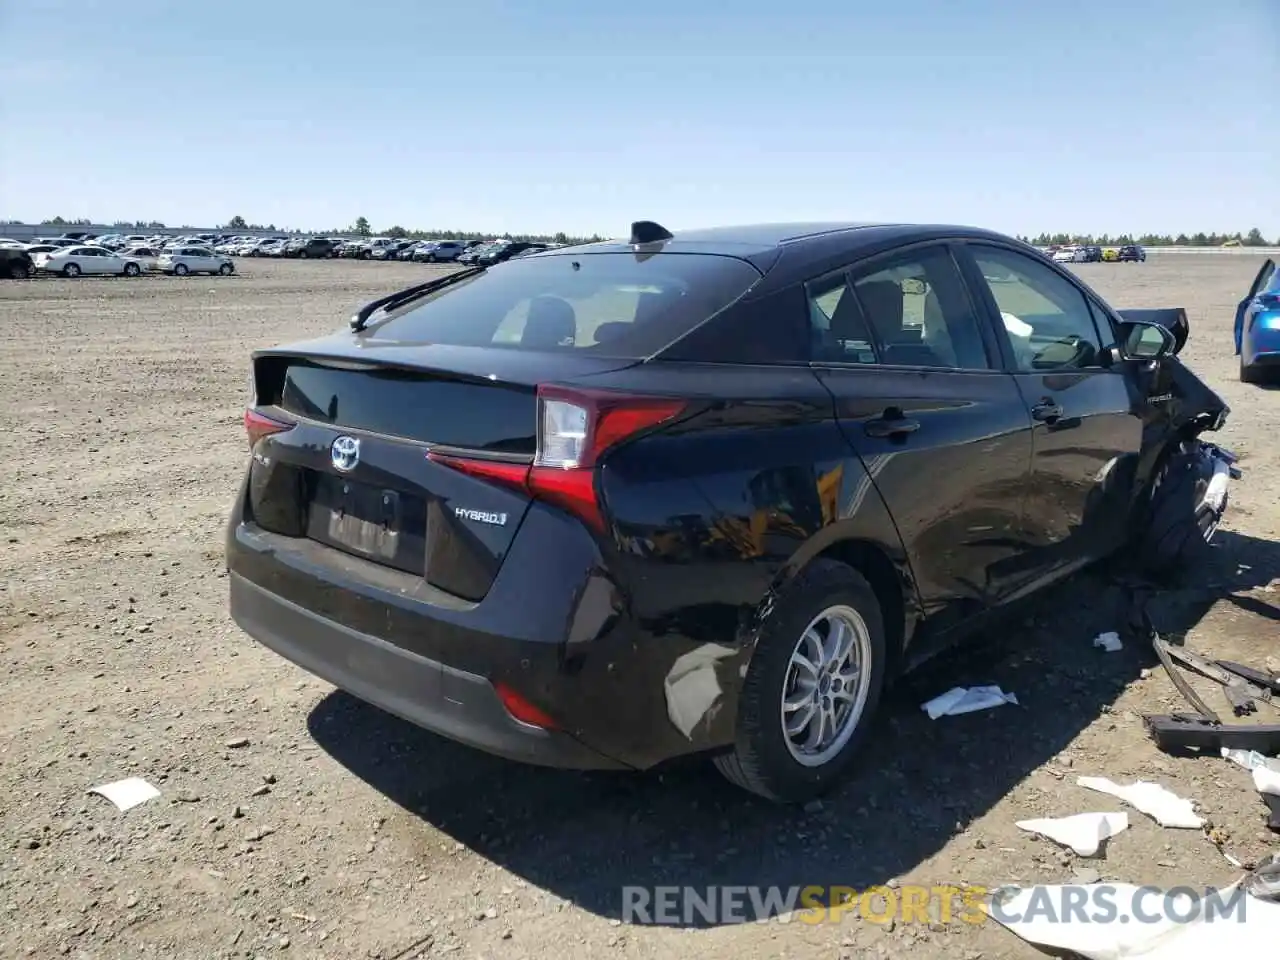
[{"x": 398, "y": 299}]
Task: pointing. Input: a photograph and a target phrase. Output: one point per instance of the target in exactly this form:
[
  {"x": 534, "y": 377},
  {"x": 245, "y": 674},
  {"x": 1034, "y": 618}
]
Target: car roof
[{"x": 788, "y": 252}]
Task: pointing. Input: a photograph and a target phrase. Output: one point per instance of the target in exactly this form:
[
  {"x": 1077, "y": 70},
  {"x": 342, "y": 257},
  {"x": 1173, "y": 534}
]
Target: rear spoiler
[{"x": 1173, "y": 319}]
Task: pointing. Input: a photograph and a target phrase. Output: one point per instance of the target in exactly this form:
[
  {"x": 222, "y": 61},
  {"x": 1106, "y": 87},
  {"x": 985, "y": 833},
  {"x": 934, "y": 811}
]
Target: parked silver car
[{"x": 194, "y": 259}]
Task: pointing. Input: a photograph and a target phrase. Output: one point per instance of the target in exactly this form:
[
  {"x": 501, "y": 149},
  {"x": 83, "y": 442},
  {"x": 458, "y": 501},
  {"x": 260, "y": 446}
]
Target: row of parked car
[
  {"x": 1092, "y": 253},
  {"x": 75, "y": 255},
  {"x": 381, "y": 248}
]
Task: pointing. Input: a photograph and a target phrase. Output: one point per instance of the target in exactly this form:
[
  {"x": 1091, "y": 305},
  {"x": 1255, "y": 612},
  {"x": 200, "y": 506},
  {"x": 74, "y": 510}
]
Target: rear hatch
[
  {"x": 353, "y": 474},
  {"x": 456, "y": 372}
]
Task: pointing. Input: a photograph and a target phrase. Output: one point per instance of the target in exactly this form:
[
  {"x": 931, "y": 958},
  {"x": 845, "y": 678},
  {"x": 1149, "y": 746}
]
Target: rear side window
[{"x": 612, "y": 304}]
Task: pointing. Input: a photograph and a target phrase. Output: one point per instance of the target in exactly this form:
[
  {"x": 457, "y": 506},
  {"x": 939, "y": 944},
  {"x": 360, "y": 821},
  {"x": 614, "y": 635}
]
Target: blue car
[{"x": 1258, "y": 325}]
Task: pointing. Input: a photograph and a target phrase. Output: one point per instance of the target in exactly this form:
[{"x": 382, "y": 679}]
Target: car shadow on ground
[{"x": 583, "y": 837}]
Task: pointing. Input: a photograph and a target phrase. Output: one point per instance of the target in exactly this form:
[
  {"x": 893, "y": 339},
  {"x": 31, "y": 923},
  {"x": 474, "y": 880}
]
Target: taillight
[
  {"x": 522, "y": 709},
  {"x": 575, "y": 428},
  {"x": 258, "y": 425}
]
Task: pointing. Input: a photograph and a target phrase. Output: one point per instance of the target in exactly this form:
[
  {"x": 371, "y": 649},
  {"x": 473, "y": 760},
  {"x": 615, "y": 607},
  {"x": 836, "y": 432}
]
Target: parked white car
[
  {"x": 74, "y": 261},
  {"x": 194, "y": 259},
  {"x": 1070, "y": 255}
]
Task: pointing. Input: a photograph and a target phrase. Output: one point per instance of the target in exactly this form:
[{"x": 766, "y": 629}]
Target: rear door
[
  {"x": 941, "y": 428},
  {"x": 1260, "y": 280},
  {"x": 1088, "y": 412}
]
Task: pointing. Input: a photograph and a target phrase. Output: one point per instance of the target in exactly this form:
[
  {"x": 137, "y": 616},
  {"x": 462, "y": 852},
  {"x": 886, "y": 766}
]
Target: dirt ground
[{"x": 338, "y": 831}]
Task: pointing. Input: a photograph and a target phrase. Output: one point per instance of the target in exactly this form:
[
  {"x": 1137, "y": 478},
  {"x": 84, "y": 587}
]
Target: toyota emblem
[{"x": 345, "y": 453}]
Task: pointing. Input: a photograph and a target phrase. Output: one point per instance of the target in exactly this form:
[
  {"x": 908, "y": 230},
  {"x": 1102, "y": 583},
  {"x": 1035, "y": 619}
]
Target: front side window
[
  {"x": 1048, "y": 319},
  {"x": 611, "y": 304},
  {"x": 920, "y": 314}
]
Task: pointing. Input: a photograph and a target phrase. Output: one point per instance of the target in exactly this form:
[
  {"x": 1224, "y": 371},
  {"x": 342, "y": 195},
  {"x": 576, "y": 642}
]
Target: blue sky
[{"x": 583, "y": 115}]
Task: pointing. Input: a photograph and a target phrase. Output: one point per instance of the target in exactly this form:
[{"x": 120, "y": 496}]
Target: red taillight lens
[
  {"x": 258, "y": 425},
  {"x": 575, "y": 428},
  {"x": 522, "y": 709}
]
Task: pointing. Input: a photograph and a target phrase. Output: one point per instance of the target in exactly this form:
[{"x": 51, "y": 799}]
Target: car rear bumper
[{"x": 462, "y": 706}]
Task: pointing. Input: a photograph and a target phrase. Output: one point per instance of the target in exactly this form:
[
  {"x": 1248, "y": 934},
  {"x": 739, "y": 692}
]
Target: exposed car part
[{"x": 1188, "y": 498}]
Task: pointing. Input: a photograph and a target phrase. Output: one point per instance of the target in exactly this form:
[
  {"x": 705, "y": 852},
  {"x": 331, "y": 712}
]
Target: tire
[
  {"x": 1172, "y": 536},
  {"x": 765, "y": 760},
  {"x": 71, "y": 271},
  {"x": 1249, "y": 373},
  {"x": 226, "y": 270},
  {"x": 180, "y": 270},
  {"x": 21, "y": 271},
  {"x": 131, "y": 270},
  {"x": 302, "y": 255}
]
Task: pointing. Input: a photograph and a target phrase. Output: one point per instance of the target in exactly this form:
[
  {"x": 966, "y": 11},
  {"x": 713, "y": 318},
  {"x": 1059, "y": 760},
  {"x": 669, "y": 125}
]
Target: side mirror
[{"x": 1148, "y": 341}]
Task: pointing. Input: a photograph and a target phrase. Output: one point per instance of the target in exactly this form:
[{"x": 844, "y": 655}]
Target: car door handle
[
  {"x": 1047, "y": 411},
  {"x": 892, "y": 423}
]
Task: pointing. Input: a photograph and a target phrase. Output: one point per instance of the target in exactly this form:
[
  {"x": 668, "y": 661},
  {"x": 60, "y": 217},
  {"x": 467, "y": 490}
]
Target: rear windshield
[{"x": 604, "y": 304}]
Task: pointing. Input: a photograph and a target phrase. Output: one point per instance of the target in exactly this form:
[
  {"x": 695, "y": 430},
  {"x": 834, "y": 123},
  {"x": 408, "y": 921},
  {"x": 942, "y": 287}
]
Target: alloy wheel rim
[{"x": 827, "y": 682}]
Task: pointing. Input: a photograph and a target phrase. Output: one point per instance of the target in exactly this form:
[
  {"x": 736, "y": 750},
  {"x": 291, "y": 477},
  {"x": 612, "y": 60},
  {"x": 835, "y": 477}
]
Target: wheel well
[{"x": 874, "y": 564}]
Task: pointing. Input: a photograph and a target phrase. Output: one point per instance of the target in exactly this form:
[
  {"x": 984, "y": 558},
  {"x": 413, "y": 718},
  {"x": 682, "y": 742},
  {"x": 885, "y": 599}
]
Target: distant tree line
[
  {"x": 1253, "y": 238},
  {"x": 361, "y": 227}
]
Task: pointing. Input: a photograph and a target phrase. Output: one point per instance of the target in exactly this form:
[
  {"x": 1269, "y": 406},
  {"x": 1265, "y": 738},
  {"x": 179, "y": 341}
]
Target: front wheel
[
  {"x": 21, "y": 271},
  {"x": 813, "y": 686},
  {"x": 226, "y": 269},
  {"x": 180, "y": 270},
  {"x": 131, "y": 270},
  {"x": 71, "y": 270},
  {"x": 1185, "y": 503}
]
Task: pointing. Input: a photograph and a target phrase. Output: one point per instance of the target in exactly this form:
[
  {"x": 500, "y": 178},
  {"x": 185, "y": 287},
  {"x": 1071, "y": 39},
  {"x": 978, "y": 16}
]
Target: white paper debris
[
  {"x": 1125, "y": 934},
  {"x": 960, "y": 700},
  {"x": 1109, "y": 641},
  {"x": 1266, "y": 780},
  {"x": 1164, "y": 807},
  {"x": 1083, "y": 832},
  {"x": 126, "y": 794}
]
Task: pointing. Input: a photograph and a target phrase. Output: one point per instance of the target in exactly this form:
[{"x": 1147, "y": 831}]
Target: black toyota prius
[{"x": 705, "y": 492}]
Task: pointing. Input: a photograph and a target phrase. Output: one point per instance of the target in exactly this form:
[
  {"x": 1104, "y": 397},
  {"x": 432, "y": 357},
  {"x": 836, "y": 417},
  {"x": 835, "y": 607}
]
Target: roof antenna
[{"x": 646, "y": 231}]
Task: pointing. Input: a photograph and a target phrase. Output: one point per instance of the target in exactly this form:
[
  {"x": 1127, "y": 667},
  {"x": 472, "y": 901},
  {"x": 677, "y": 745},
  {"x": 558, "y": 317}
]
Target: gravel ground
[{"x": 296, "y": 818}]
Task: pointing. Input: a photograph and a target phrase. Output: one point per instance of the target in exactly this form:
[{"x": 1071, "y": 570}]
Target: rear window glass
[{"x": 612, "y": 304}]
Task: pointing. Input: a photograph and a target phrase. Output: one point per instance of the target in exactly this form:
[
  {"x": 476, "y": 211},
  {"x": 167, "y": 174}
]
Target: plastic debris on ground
[
  {"x": 961, "y": 700},
  {"x": 1126, "y": 929},
  {"x": 127, "y": 794},
  {"x": 1083, "y": 832},
  {"x": 1163, "y": 806},
  {"x": 1109, "y": 641},
  {"x": 1266, "y": 778},
  {"x": 1250, "y": 759}
]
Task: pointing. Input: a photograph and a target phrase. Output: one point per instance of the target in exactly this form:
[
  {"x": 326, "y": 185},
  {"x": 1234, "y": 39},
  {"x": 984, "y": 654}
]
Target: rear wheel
[
  {"x": 180, "y": 270},
  {"x": 131, "y": 270},
  {"x": 1249, "y": 373},
  {"x": 71, "y": 270},
  {"x": 21, "y": 271},
  {"x": 812, "y": 688}
]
